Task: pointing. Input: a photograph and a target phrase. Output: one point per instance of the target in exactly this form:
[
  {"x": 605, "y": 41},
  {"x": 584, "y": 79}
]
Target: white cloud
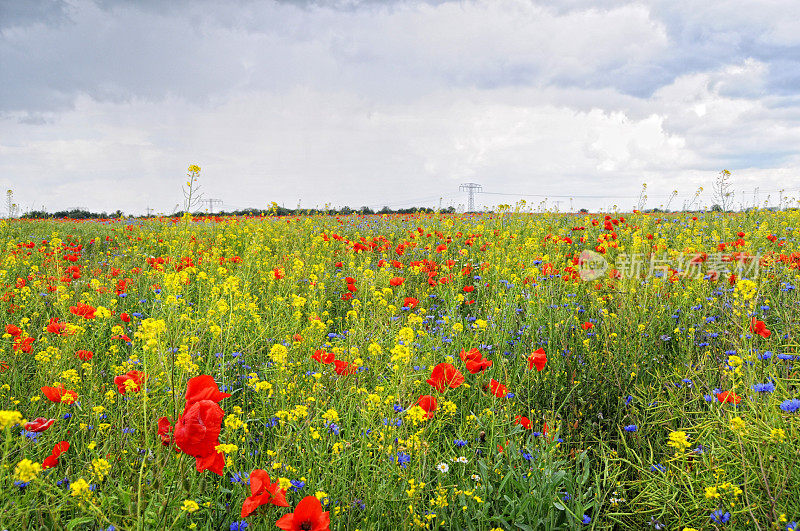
[{"x": 371, "y": 103}]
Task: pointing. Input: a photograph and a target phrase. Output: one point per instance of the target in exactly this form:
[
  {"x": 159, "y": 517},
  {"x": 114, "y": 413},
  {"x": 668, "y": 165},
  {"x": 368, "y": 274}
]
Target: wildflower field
[{"x": 478, "y": 371}]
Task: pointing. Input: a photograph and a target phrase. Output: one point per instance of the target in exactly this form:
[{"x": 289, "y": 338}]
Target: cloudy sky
[{"x": 104, "y": 104}]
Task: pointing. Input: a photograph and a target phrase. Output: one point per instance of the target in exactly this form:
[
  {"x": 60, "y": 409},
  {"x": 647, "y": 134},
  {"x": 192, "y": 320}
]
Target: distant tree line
[{"x": 77, "y": 213}]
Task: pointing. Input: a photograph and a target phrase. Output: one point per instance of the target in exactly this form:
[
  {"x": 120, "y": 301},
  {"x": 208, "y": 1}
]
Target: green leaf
[{"x": 79, "y": 521}]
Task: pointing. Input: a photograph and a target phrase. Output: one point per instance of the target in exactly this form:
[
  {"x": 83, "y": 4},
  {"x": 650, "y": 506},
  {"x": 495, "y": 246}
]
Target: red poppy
[
  {"x": 277, "y": 273},
  {"x": 729, "y": 397},
  {"x": 469, "y": 289},
  {"x": 410, "y": 302},
  {"x": 524, "y": 421},
  {"x": 428, "y": 403},
  {"x": 445, "y": 375},
  {"x": 203, "y": 388},
  {"x": 83, "y": 310},
  {"x": 323, "y": 357},
  {"x": 758, "y": 327},
  {"x": 197, "y": 434},
  {"x": 499, "y": 390},
  {"x": 297, "y": 338},
  {"x": 39, "y": 424},
  {"x": 396, "y": 281},
  {"x": 136, "y": 377},
  {"x": 263, "y": 492},
  {"x": 125, "y": 317},
  {"x": 538, "y": 358},
  {"x": 474, "y": 360},
  {"x": 13, "y": 330},
  {"x": 197, "y": 429},
  {"x": 165, "y": 431},
  {"x": 343, "y": 368},
  {"x": 307, "y": 516},
  {"x": 54, "y": 327},
  {"x": 84, "y": 355},
  {"x": 23, "y": 344},
  {"x": 59, "y": 394},
  {"x": 587, "y": 325},
  {"x": 52, "y": 460}
]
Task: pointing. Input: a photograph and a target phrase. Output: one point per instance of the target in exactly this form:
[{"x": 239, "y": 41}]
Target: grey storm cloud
[{"x": 313, "y": 99}]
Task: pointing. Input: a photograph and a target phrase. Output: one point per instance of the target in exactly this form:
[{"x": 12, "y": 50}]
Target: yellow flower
[
  {"x": 778, "y": 434},
  {"x": 101, "y": 468},
  {"x": 80, "y": 489},
  {"x": 190, "y": 506},
  {"x": 678, "y": 440},
  {"x": 331, "y": 415},
  {"x": 737, "y": 425},
  {"x": 278, "y": 353},
  {"x": 712, "y": 492},
  {"x": 226, "y": 448},
  {"x": 10, "y": 418},
  {"x": 26, "y": 470}
]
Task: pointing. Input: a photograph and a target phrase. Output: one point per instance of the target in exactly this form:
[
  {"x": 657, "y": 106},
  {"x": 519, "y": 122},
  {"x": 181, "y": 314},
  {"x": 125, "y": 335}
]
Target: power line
[
  {"x": 548, "y": 196},
  {"x": 471, "y": 189},
  {"x": 211, "y": 204}
]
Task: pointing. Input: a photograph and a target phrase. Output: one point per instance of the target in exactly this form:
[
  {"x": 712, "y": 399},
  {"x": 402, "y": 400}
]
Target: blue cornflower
[
  {"x": 631, "y": 428},
  {"x": 719, "y": 517},
  {"x": 791, "y": 405},
  {"x": 297, "y": 485},
  {"x": 764, "y": 387},
  {"x": 460, "y": 442},
  {"x": 239, "y": 526},
  {"x": 786, "y": 357},
  {"x": 586, "y": 519},
  {"x": 791, "y": 526},
  {"x": 658, "y": 467},
  {"x": 403, "y": 459},
  {"x": 32, "y": 435},
  {"x": 359, "y": 504},
  {"x": 239, "y": 477},
  {"x": 628, "y": 400}
]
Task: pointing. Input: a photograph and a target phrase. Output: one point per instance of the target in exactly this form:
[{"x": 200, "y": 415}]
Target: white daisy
[{"x": 443, "y": 468}]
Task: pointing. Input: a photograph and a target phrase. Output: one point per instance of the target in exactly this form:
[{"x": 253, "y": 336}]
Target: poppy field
[{"x": 502, "y": 370}]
